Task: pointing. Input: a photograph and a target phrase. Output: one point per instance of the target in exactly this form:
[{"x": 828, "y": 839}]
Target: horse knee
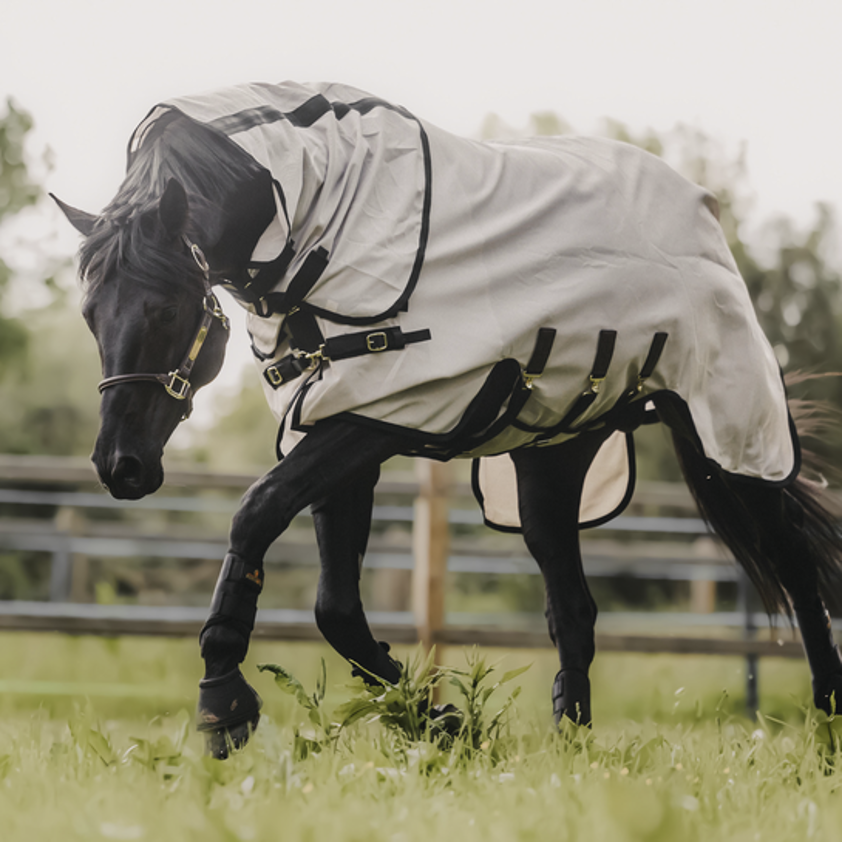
[{"x": 264, "y": 513}]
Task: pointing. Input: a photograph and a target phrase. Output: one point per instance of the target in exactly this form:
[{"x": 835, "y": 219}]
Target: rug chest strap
[{"x": 313, "y": 347}]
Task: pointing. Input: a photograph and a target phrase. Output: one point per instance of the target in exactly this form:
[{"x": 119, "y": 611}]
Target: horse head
[{"x": 160, "y": 332}]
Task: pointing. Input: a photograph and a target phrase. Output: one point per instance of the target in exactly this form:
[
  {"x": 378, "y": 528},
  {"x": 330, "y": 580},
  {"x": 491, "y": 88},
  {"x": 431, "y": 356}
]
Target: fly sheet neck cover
[{"x": 408, "y": 274}]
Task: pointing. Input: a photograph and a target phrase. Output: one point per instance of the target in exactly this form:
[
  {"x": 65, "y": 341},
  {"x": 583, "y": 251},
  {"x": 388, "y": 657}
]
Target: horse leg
[
  {"x": 343, "y": 523},
  {"x": 329, "y": 456},
  {"x": 789, "y": 546},
  {"x": 549, "y": 483}
]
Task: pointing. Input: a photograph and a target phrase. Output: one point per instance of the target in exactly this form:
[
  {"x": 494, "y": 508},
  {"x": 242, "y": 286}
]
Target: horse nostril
[{"x": 128, "y": 470}]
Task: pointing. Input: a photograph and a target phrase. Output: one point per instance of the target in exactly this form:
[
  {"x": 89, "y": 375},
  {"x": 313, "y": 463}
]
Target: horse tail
[{"x": 762, "y": 524}]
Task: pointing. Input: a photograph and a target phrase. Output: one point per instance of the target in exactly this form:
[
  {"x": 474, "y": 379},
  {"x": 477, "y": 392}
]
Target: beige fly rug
[{"x": 477, "y": 297}]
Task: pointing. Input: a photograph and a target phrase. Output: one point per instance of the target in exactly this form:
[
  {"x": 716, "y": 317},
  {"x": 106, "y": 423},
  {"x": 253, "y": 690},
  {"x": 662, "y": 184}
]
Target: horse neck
[{"x": 231, "y": 225}]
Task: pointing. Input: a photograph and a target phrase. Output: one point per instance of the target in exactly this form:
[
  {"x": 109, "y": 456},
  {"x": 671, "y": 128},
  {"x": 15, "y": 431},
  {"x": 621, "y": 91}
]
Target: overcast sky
[{"x": 761, "y": 72}]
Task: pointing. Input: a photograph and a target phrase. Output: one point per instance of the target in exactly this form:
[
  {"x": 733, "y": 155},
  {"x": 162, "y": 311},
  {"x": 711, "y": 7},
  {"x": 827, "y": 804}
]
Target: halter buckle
[{"x": 182, "y": 390}]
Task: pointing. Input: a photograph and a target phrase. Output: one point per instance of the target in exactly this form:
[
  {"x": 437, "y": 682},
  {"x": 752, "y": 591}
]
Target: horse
[{"x": 271, "y": 190}]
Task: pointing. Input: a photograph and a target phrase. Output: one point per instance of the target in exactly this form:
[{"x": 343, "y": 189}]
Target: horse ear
[
  {"x": 173, "y": 208},
  {"x": 83, "y": 222}
]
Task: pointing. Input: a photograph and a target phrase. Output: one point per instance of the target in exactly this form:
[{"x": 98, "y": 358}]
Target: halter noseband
[{"x": 177, "y": 382}]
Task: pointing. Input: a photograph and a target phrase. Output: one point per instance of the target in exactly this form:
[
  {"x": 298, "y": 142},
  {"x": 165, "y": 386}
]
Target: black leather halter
[{"x": 177, "y": 382}]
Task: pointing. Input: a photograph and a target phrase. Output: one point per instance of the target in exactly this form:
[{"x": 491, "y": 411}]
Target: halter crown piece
[{"x": 177, "y": 382}]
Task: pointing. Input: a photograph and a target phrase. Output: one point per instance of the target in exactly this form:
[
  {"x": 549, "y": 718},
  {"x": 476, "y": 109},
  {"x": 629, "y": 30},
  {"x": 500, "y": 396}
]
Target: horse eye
[{"x": 168, "y": 314}]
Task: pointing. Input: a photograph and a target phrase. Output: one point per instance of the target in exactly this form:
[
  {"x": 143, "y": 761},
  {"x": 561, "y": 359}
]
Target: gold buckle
[
  {"x": 274, "y": 376},
  {"x": 381, "y": 343},
  {"x": 596, "y": 384},
  {"x": 179, "y": 394}
]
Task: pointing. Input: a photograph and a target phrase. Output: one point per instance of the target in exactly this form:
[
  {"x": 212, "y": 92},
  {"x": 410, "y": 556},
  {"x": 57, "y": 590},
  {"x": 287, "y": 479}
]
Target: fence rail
[{"x": 46, "y": 506}]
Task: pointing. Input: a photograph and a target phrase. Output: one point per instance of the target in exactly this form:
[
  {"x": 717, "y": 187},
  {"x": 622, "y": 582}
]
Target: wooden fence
[{"x": 47, "y": 507}]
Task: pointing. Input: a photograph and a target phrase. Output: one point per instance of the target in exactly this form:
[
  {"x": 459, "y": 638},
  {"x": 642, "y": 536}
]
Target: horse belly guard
[{"x": 479, "y": 297}]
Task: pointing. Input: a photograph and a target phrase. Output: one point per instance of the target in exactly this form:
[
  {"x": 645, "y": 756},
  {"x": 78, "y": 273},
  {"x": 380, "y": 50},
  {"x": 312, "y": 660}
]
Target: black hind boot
[{"x": 572, "y": 697}]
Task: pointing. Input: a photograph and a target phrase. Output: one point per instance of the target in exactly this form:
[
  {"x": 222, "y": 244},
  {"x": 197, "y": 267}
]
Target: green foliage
[
  {"x": 17, "y": 188},
  {"x": 17, "y": 191},
  {"x": 322, "y": 731},
  {"x": 48, "y": 399},
  {"x": 477, "y": 728},
  {"x": 406, "y": 713},
  {"x": 48, "y": 362}
]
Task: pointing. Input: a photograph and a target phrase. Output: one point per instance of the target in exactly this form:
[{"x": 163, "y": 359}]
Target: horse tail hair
[{"x": 759, "y": 524}]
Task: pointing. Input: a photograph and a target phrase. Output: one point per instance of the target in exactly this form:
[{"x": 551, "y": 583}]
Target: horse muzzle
[{"x": 127, "y": 476}]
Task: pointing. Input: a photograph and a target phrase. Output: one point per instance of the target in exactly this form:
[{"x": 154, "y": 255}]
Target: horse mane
[{"x": 209, "y": 166}]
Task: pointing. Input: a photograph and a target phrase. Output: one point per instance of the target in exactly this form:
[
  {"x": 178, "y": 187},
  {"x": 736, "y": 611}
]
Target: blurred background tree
[{"x": 48, "y": 362}]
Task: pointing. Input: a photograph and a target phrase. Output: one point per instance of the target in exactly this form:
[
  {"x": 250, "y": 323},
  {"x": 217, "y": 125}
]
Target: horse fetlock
[
  {"x": 223, "y": 648},
  {"x": 572, "y": 697},
  {"x": 385, "y": 668},
  {"x": 227, "y": 712}
]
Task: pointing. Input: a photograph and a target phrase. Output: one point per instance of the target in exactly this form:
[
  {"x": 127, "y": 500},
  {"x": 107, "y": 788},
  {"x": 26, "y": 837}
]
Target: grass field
[{"x": 96, "y": 742}]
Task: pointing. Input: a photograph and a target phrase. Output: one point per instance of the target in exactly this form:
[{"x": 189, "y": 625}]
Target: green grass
[{"x": 96, "y": 742}]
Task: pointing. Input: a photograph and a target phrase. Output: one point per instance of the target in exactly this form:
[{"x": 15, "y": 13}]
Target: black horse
[{"x": 188, "y": 216}]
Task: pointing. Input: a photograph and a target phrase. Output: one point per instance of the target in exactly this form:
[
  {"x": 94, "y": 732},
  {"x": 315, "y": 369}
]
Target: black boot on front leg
[
  {"x": 229, "y": 707},
  {"x": 572, "y": 697}
]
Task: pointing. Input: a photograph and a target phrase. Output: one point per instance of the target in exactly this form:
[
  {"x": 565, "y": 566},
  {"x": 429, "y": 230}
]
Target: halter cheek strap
[{"x": 177, "y": 382}]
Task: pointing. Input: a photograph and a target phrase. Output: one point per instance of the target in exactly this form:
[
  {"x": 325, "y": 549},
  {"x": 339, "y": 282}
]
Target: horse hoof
[
  {"x": 228, "y": 711},
  {"x": 446, "y": 719},
  {"x": 220, "y": 743},
  {"x": 572, "y": 697},
  {"x": 828, "y": 695}
]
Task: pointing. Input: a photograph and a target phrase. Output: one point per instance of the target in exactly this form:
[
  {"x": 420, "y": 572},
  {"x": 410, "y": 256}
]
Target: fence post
[
  {"x": 62, "y": 568},
  {"x": 430, "y": 544}
]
